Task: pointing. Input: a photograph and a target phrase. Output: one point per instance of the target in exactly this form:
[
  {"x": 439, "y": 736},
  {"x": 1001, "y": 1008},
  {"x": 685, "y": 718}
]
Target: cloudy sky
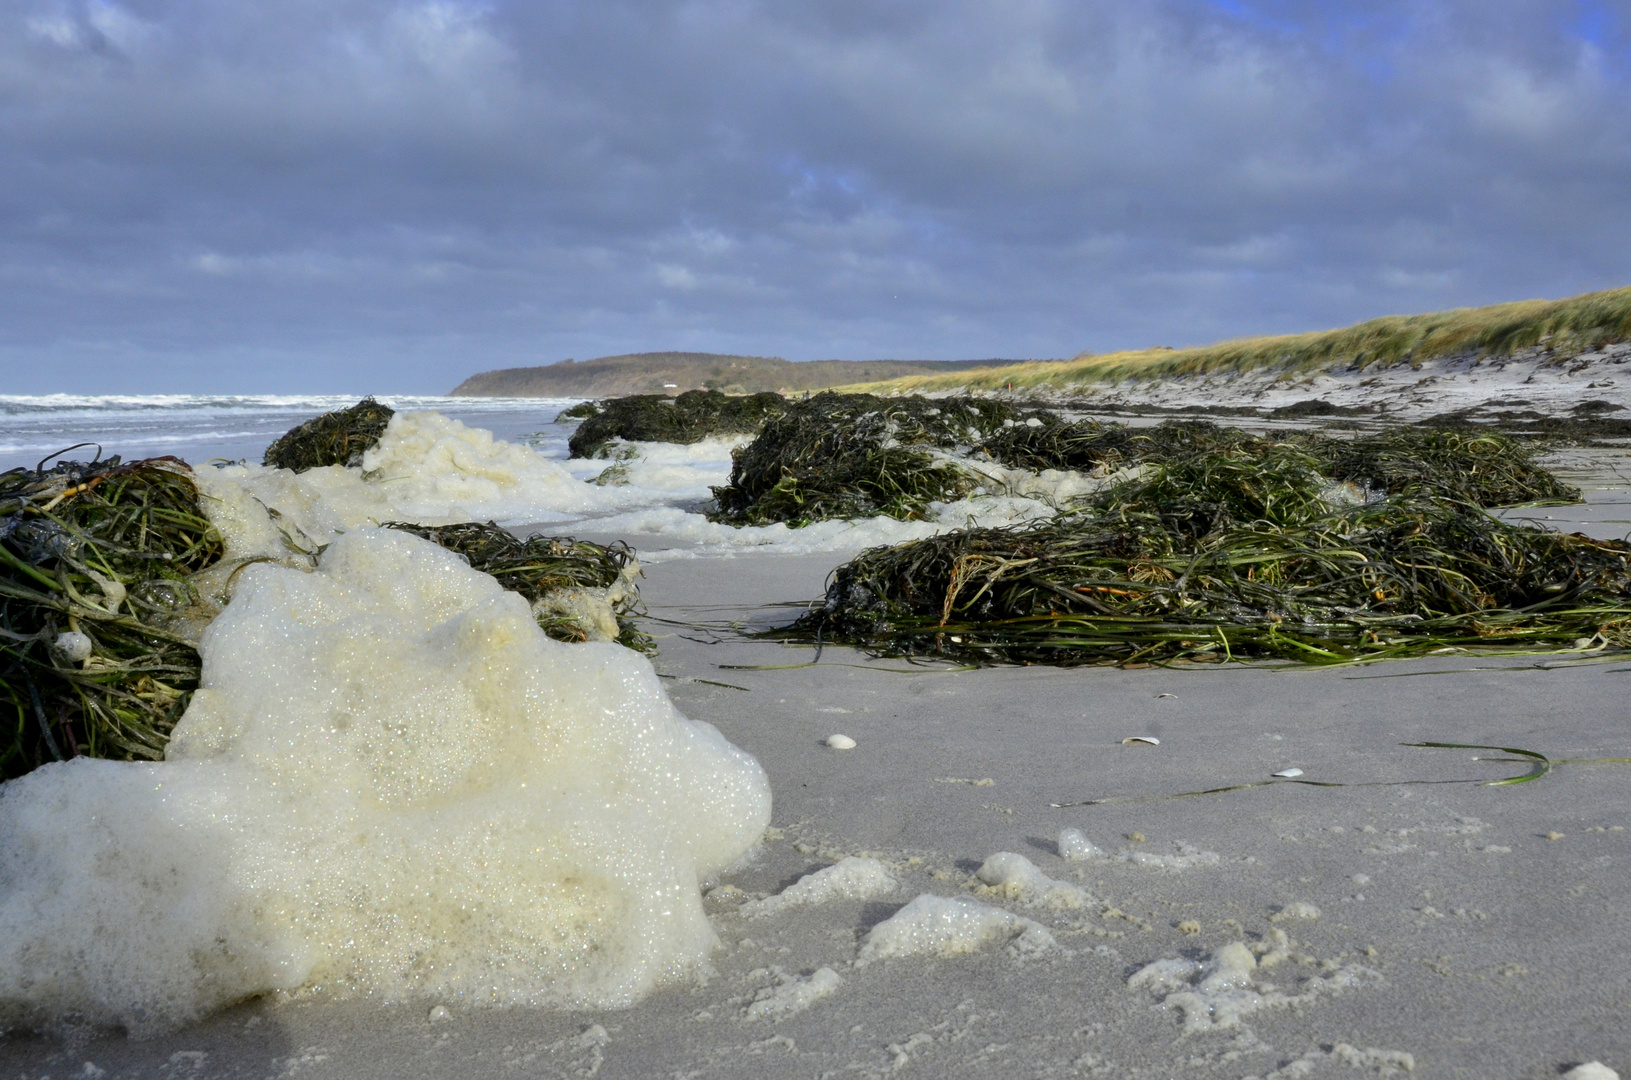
[{"x": 387, "y": 195}]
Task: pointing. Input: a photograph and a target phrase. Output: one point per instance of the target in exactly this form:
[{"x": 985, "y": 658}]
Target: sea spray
[{"x": 391, "y": 783}]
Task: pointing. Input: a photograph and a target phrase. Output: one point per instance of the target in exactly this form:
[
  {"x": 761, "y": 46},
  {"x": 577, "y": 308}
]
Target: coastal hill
[
  {"x": 1545, "y": 332},
  {"x": 672, "y": 372}
]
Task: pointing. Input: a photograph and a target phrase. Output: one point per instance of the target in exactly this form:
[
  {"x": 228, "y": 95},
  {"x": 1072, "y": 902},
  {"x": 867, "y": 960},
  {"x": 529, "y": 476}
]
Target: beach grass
[{"x": 1565, "y": 327}]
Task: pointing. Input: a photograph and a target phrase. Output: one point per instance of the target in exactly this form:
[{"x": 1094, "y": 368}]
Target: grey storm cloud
[{"x": 362, "y": 194}]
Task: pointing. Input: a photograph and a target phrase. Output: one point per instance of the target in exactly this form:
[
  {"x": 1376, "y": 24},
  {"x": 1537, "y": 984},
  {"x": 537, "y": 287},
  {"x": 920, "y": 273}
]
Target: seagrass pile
[
  {"x": 1227, "y": 545},
  {"x": 341, "y": 437},
  {"x": 1484, "y": 467},
  {"x": 857, "y": 455},
  {"x": 691, "y": 417},
  {"x": 95, "y": 562}
]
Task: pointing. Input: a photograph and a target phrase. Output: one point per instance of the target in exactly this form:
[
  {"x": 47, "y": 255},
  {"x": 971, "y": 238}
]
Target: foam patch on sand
[
  {"x": 391, "y": 783},
  {"x": 792, "y": 993},
  {"x": 1186, "y": 855},
  {"x": 692, "y": 535},
  {"x": 952, "y": 926},
  {"x": 1371, "y": 1060},
  {"x": 1230, "y": 986},
  {"x": 1014, "y": 877},
  {"x": 671, "y": 470},
  {"x": 852, "y": 878}
]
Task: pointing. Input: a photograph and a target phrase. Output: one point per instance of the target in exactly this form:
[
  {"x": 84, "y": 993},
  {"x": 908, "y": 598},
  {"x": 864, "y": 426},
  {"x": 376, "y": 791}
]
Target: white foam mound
[
  {"x": 425, "y": 468},
  {"x": 391, "y": 783},
  {"x": 1074, "y": 846},
  {"x": 940, "y": 926},
  {"x": 851, "y": 878},
  {"x": 433, "y": 468},
  {"x": 1013, "y": 876}
]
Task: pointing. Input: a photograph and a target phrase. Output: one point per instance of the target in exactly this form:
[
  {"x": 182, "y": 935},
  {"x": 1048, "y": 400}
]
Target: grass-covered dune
[{"x": 1566, "y": 327}]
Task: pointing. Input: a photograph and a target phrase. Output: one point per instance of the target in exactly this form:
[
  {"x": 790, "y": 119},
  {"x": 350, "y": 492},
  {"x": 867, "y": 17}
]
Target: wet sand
[{"x": 1491, "y": 923}]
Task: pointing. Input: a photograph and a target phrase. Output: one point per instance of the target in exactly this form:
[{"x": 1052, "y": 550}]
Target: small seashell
[
  {"x": 1289, "y": 773},
  {"x": 1147, "y": 740},
  {"x": 840, "y": 742},
  {"x": 1166, "y": 695}
]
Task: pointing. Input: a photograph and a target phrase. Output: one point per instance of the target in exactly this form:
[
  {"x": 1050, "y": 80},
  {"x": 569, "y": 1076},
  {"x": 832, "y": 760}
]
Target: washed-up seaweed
[
  {"x": 334, "y": 438},
  {"x": 1399, "y": 577},
  {"x": 564, "y": 579},
  {"x": 1483, "y": 467},
  {"x": 1237, "y": 547},
  {"x": 1093, "y": 446},
  {"x": 691, "y": 417},
  {"x": 95, "y": 561},
  {"x": 857, "y": 455},
  {"x": 583, "y": 410}
]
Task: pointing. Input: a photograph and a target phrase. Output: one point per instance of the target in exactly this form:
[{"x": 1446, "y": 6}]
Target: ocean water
[{"x": 200, "y": 428}]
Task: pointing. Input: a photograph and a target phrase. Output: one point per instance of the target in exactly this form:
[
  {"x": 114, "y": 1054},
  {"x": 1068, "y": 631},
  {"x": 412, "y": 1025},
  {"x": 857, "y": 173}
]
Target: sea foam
[{"x": 391, "y": 783}]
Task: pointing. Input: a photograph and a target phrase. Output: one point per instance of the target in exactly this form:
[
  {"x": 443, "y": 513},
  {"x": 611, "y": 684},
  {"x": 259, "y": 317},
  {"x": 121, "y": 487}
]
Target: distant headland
[{"x": 674, "y": 372}]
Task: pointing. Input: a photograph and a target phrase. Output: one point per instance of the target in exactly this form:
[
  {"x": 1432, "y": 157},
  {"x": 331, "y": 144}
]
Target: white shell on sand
[
  {"x": 840, "y": 742},
  {"x": 1288, "y": 773},
  {"x": 1147, "y": 740}
]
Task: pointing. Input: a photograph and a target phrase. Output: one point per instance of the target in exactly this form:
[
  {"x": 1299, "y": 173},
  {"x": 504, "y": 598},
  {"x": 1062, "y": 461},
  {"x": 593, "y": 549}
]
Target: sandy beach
[{"x": 1411, "y": 919}]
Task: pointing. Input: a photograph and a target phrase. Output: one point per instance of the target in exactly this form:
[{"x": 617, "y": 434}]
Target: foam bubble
[
  {"x": 851, "y": 878},
  {"x": 793, "y": 993},
  {"x": 1074, "y": 846},
  {"x": 940, "y": 926},
  {"x": 1012, "y": 875},
  {"x": 390, "y": 783}
]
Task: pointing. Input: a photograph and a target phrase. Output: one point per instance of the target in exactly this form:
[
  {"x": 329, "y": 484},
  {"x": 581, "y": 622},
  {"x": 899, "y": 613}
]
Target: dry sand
[{"x": 1483, "y": 929}]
